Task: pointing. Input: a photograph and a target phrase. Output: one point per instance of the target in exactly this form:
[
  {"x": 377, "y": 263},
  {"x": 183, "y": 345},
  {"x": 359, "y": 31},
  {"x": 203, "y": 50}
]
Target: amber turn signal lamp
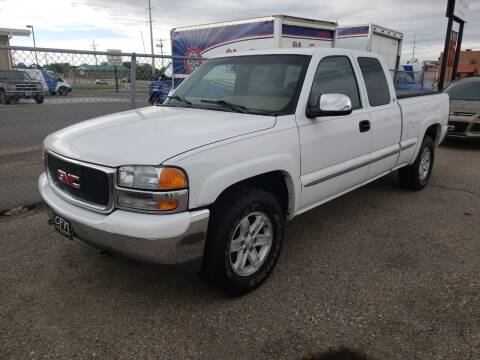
[
  {"x": 167, "y": 205},
  {"x": 172, "y": 179}
]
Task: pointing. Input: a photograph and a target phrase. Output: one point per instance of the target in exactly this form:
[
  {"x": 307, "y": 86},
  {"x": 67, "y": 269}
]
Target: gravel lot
[{"x": 382, "y": 271}]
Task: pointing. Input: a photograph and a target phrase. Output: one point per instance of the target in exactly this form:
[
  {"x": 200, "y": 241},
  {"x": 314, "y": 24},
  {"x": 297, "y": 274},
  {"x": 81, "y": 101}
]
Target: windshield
[
  {"x": 467, "y": 90},
  {"x": 260, "y": 84}
]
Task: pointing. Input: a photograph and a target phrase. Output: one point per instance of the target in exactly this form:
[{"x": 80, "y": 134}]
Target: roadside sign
[
  {"x": 113, "y": 58},
  {"x": 459, "y": 9}
]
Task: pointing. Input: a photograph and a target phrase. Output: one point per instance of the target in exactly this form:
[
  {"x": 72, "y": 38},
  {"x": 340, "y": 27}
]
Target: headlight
[
  {"x": 152, "y": 188},
  {"x": 152, "y": 178}
]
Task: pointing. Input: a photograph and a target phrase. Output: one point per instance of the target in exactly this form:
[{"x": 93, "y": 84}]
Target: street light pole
[{"x": 34, "y": 43}]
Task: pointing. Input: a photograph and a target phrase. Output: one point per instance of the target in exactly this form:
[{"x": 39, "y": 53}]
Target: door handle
[{"x": 364, "y": 125}]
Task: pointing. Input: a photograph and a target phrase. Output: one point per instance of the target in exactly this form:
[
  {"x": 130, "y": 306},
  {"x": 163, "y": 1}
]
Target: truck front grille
[
  {"x": 26, "y": 86},
  {"x": 91, "y": 186}
]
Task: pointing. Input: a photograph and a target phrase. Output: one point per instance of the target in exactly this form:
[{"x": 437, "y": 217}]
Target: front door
[{"x": 335, "y": 150}]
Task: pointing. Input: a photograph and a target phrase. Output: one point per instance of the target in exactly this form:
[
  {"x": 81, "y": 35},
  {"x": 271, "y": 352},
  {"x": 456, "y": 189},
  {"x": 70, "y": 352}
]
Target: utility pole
[
  {"x": 34, "y": 44},
  {"x": 151, "y": 36},
  {"x": 94, "y": 47},
  {"x": 160, "y": 45}
]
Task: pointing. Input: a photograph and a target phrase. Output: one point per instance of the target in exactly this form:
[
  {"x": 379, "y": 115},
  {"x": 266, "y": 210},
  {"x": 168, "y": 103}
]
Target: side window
[
  {"x": 375, "y": 81},
  {"x": 335, "y": 76}
]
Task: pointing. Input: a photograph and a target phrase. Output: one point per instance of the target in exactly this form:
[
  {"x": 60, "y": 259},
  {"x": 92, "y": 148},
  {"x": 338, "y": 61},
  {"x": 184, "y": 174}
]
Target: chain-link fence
[{"x": 44, "y": 90}]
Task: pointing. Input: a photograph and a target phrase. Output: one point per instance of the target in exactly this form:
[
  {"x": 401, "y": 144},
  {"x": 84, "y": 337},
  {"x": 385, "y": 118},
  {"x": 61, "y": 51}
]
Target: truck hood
[
  {"x": 150, "y": 135},
  {"x": 468, "y": 107}
]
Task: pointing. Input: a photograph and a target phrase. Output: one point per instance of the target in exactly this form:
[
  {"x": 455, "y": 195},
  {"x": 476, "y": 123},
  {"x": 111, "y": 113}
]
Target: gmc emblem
[{"x": 69, "y": 179}]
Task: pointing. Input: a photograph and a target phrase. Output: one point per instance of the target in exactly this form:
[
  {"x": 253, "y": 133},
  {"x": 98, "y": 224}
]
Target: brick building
[{"x": 468, "y": 65}]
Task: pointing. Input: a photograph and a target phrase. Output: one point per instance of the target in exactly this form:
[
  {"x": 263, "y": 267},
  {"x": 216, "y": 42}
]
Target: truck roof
[
  {"x": 306, "y": 21},
  {"x": 377, "y": 29},
  {"x": 301, "y": 51}
]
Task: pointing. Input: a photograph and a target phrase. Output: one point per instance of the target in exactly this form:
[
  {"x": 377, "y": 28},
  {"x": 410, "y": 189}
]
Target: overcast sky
[{"x": 119, "y": 24}]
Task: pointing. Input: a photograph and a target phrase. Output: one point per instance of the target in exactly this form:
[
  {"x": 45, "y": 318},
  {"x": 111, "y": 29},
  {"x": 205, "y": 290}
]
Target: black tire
[
  {"x": 62, "y": 91},
  {"x": 411, "y": 177},
  {"x": 237, "y": 205},
  {"x": 53, "y": 93},
  {"x": 3, "y": 98},
  {"x": 154, "y": 100},
  {"x": 39, "y": 99}
]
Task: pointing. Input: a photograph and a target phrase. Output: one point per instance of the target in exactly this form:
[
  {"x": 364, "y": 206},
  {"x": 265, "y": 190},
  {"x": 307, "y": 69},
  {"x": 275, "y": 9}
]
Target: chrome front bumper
[{"x": 169, "y": 239}]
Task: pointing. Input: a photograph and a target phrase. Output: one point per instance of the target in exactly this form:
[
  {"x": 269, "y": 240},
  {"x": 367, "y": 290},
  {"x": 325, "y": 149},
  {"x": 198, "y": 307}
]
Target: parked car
[
  {"x": 464, "y": 119},
  {"x": 159, "y": 89},
  {"x": 16, "y": 85},
  {"x": 52, "y": 83},
  {"x": 208, "y": 179},
  {"x": 100, "y": 82}
]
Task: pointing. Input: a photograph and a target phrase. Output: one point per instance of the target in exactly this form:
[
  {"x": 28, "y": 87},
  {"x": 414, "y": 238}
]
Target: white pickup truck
[{"x": 248, "y": 141}]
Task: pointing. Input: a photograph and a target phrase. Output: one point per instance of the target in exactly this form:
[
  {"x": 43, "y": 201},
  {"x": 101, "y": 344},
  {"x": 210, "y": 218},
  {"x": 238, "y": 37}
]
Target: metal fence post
[{"x": 133, "y": 78}]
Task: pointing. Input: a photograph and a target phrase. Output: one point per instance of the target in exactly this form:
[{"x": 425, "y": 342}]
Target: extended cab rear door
[
  {"x": 335, "y": 150},
  {"x": 385, "y": 116}
]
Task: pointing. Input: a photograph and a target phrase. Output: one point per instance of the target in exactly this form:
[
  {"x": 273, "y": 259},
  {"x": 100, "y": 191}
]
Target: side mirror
[{"x": 330, "y": 105}]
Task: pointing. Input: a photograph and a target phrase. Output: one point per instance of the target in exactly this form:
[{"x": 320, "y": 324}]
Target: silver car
[{"x": 464, "y": 119}]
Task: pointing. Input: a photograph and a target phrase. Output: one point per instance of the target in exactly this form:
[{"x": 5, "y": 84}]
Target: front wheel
[
  {"x": 39, "y": 99},
  {"x": 417, "y": 175},
  {"x": 154, "y": 100},
  {"x": 244, "y": 240},
  {"x": 63, "y": 91},
  {"x": 3, "y": 98}
]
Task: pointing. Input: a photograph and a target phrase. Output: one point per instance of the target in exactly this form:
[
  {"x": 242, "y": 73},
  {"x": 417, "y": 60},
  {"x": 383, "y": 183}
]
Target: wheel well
[
  {"x": 433, "y": 131},
  {"x": 274, "y": 182}
]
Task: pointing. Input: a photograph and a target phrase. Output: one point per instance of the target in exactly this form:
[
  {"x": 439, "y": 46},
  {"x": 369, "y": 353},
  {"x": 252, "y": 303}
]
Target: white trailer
[
  {"x": 372, "y": 38},
  {"x": 276, "y": 31}
]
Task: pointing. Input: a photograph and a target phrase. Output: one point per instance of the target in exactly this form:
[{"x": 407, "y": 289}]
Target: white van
[{"x": 52, "y": 83}]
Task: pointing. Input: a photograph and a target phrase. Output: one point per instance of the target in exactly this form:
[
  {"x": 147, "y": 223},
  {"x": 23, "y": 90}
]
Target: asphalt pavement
[
  {"x": 23, "y": 127},
  {"x": 381, "y": 272}
]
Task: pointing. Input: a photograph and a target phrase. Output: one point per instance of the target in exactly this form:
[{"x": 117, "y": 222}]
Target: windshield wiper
[
  {"x": 179, "y": 98},
  {"x": 232, "y": 106}
]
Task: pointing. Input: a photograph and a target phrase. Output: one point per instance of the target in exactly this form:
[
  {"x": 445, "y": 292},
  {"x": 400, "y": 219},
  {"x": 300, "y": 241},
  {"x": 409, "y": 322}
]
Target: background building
[
  {"x": 468, "y": 64},
  {"x": 5, "y": 35}
]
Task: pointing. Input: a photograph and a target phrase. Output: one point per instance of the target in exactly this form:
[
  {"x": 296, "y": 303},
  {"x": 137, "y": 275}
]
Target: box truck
[
  {"x": 372, "y": 38},
  {"x": 269, "y": 32},
  {"x": 276, "y": 31}
]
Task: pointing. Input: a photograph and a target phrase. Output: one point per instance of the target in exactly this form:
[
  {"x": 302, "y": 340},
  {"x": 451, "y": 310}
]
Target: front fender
[
  {"x": 214, "y": 169},
  {"x": 220, "y": 180}
]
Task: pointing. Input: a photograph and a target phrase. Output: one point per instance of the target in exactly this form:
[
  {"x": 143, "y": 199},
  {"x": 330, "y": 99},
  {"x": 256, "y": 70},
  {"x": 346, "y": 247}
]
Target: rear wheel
[
  {"x": 244, "y": 240},
  {"x": 417, "y": 175}
]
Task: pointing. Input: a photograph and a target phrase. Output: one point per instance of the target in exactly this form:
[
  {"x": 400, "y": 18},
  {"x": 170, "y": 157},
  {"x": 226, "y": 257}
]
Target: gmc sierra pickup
[{"x": 248, "y": 141}]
